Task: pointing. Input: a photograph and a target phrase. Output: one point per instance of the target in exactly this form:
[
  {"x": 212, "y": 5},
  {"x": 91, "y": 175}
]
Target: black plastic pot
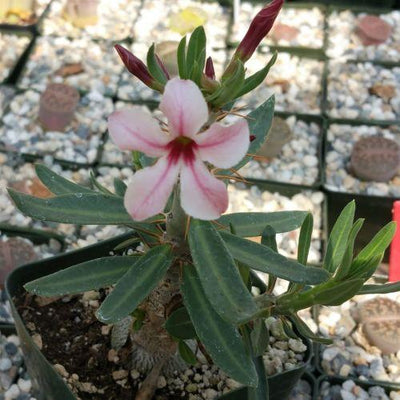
[{"x": 47, "y": 383}]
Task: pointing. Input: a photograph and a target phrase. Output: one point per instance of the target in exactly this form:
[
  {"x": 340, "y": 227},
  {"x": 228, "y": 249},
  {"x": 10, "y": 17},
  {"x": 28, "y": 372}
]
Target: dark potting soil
[{"x": 72, "y": 337}]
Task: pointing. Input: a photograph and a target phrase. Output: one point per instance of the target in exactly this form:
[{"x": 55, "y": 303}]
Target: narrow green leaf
[
  {"x": 96, "y": 184},
  {"x": 181, "y": 54},
  {"x": 119, "y": 187},
  {"x": 263, "y": 259},
  {"x": 179, "y": 325},
  {"x": 345, "y": 266},
  {"x": 256, "y": 79},
  {"x": 259, "y": 337},
  {"x": 186, "y": 353},
  {"x": 254, "y": 223},
  {"x": 77, "y": 208},
  {"x": 257, "y": 282},
  {"x": 221, "y": 339},
  {"x": 196, "y": 45},
  {"x": 365, "y": 269},
  {"x": 377, "y": 245},
  {"x": 305, "y": 331},
  {"x": 90, "y": 275},
  {"x": 155, "y": 70},
  {"x": 56, "y": 183},
  {"x": 380, "y": 289},
  {"x": 268, "y": 238},
  {"x": 218, "y": 273},
  {"x": 135, "y": 285},
  {"x": 338, "y": 293},
  {"x": 338, "y": 238},
  {"x": 261, "y": 391},
  {"x": 305, "y": 239}
]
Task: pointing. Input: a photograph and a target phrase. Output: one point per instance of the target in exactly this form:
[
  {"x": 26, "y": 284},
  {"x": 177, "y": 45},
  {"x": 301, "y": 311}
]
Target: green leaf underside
[
  {"x": 136, "y": 284},
  {"x": 90, "y": 275},
  {"x": 338, "y": 293},
  {"x": 221, "y": 339},
  {"x": 179, "y": 324},
  {"x": 305, "y": 239},
  {"x": 261, "y": 391},
  {"x": 56, "y": 183},
  {"x": 338, "y": 238},
  {"x": 380, "y": 289},
  {"x": 186, "y": 353},
  {"x": 253, "y": 224},
  {"x": 262, "y": 258},
  {"x": 218, "y": 273}
]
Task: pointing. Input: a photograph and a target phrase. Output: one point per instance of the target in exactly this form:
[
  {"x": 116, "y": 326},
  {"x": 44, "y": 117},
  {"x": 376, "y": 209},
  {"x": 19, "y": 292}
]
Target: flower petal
[
  {"x": 134, "y": 129},
  {"x": 224, "y": 146},
  {"x": 184, "y": 106},
  {"x": 148, "y": 192},
  {"x": 202, "y": 195}
]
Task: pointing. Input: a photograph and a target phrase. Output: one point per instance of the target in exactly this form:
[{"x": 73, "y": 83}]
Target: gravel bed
[
  {"x": 12, "y": 47},
  {"x": 351, "y": 355},
  {"x": 242, "y": 199},
  {"x": 22, "y": 132},
  {"x": 158, "y": 21},
  {"x": 115, "y": 21},
  {"x": 295, "y": 82},
  {"x": 341, "y": 139},
  {"x": 351, "y": 92},
  {"x": 344, "y": 42},
  {"x": 349, "y": 390},
  {"x": 22, "y": 177},
  {"x": 298, "y": 161},
  {"x": 309, "y": 23},
  {"x": 98, "y": 61},
  {"x": 15, "y": 383},
  {"x": 6, "y": 94},
  {"x": 132, "y": 89}
]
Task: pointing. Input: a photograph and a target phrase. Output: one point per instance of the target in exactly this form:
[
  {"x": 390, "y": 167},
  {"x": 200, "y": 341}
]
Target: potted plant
[{"x": 187, "y": 292}]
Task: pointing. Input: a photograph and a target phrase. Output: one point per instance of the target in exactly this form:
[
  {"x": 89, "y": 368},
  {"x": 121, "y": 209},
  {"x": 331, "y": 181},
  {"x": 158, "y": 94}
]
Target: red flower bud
[
  {"x": 259, "y": 28},
  {"x": 210, "y": 72},
  {"x": 137, "y": 68},
  {"x": 253, "y": 138}
]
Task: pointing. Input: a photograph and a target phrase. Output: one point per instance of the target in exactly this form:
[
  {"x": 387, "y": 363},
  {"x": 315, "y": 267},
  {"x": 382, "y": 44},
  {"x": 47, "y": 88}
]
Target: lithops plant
[
  {"x": 279, "y": 134},
  {"x": 81, "y": 13},
  {"x": 380, "y": 318},
  {"x": 373, "y": 30},
  {"x": 375, "y": 158},
  {"x": 57, "y": 106}
]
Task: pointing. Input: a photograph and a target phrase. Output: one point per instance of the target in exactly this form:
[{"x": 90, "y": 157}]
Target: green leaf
[
  {"x": 155, "y": 70},
  {"x": 345, "y": 266},
  {"x": 259, "y": 337},
  {"x": 261, "y": 391},
  {"x": 186, "y": 353},
  {"x": 218, "y": 273},
  {"x": 179, "y": 325},
  {"x": 96, "y": 184},
  {"x": 56, "y": 183},
  {"x": 305, "y": 239},
  {"x": 305, "y": 331},
  {"x": 377, "y": 245},
  {"x": 268, "y": 238},
  {"x": 253, "y": 224},
  {"x": 338, "y": 238},
  {"x": 256, "y": 79},
  {"x": 380, "y": 289},
  {"x": 197, "y": 70},
  {"x": 90, "y": 275},
  {"x": 119, "y": 187},
  {"x": 196, "y": 47},
  {"x": 77, "y": 208},
  {"x": 220, "y": 338},
  {"x": 263, "y": 259},
  {"x": 338, "y": 293},
  {"x": 366, "y": 268},
  {"x": 135, "y": 285},
  {"x": 181, "y": 54}
]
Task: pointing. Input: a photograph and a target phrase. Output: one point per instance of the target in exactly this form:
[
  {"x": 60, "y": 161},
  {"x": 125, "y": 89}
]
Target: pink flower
[
  {"x": 259, "y": 28},
  {"x": 181, "y": 152}
]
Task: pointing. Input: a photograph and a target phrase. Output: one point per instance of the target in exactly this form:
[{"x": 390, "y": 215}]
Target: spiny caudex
[{"x": 192, "y": 291}]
